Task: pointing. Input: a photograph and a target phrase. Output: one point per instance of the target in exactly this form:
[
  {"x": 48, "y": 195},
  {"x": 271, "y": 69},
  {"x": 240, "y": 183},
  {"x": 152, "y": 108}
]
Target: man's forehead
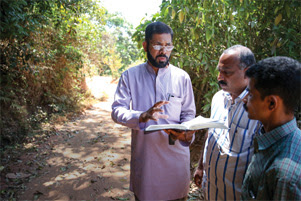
[
  {"x": 159, "y": 37},
  {"x": 229, "y": 60},
  {"x": 230, "y": 56}
]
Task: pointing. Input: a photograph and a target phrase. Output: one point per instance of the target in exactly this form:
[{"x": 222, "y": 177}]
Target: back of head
[
  {"x": 279, "y": 76},
  {"x": 157, "y": 28},
  {"x": 246, "y": 56}
]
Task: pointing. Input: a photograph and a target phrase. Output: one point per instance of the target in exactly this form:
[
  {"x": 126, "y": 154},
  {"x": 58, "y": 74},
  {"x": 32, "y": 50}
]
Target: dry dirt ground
[{"x": 87, "y": 158}]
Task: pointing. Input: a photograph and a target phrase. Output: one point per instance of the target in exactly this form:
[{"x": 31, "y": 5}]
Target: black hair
[
  {"x": 157, "y": 28},
  {"x": 246, "y": 56},
  {"x": 278, "y": 76}
]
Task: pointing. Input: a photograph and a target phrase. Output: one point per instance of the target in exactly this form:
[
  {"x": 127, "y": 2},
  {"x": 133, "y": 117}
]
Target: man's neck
[
  {"x": 155, "y": 68},
  {"x": 276, "y": 121},
  {"x": 234, "y": 96}
]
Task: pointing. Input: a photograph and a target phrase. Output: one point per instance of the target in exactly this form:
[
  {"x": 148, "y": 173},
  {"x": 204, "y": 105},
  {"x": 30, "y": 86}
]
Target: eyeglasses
[{"x": 160, "y": 47}]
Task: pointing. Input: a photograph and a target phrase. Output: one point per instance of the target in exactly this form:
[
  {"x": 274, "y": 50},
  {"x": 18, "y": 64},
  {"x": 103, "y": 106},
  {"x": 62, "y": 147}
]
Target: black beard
[{"x": 156, "y": 64}]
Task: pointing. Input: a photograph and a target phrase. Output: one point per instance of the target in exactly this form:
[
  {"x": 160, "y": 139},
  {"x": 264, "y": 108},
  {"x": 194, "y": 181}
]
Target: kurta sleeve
[
  {"x": 121, "y": 112},
  {"x": 188, "y": 106},
  {"x": 188, "y": 111}
]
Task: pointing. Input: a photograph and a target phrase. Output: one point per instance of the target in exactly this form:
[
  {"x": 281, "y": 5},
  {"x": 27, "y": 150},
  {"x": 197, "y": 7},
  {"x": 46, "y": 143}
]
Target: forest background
[{"x": 48, "y": 49}]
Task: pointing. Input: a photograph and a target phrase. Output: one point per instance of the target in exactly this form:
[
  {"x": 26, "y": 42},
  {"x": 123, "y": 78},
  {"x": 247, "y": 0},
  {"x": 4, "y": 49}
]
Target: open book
[{"x": 194, "y": 124}]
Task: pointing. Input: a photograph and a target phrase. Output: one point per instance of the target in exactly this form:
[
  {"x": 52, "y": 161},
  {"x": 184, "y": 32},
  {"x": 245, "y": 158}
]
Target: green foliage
[
  {"x": 47, "y": 48},
  {"x": 107, "y": 45},
  {"x": 40, "y": 62},
  {"x": 120, "y": 32},
  {"x": 203, "y": 29}
]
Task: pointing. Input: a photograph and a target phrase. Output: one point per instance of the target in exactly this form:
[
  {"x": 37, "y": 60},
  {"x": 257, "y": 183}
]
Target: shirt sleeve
[
  {"x": 121, "y": 112},
  {"x": 287, "y": 190},
  {"x": 281, "y": 183}
]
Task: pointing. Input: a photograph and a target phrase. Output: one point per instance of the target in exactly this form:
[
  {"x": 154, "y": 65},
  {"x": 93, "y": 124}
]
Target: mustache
[
  {"x": 222, "y": 82},
  {"x": 163, "y": 55}
]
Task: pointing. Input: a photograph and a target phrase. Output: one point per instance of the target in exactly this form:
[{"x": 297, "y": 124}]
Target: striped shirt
[
  {"x": 275, "y": 170},
  {"x": 228, "y": 152}
]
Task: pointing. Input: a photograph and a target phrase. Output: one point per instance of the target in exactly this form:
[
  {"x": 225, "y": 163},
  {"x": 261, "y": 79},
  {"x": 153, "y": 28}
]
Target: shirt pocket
[
  {"x": 241, "y": 121},
  {"x": 173, "y": 109},
  {"x": 239, "y": 139}
]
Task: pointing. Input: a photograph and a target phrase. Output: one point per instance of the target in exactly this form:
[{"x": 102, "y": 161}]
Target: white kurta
[{"x": 159, "y": 171}]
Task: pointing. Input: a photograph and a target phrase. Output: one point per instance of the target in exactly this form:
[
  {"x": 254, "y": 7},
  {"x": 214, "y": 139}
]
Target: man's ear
[
  {"x": 144, "y": 44},
  {"x": 245, "y": 77},
  {"x": 273, "y": 102}
]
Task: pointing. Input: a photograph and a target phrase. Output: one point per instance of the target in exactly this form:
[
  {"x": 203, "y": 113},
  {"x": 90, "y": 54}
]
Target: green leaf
[
  {"x": 278, "y": 19},
  {"x": 166, "y": 11},
  {"x": 173, "y": 14},
  {"x": 208, "y": 35},
  {"x": 181, "y": 16},
  {"x": 205, "y": 4},
  {"x": 288, "y": 10}
]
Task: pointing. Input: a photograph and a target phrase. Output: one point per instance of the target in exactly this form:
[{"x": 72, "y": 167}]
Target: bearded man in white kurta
[{"x": 156, "y": 92}]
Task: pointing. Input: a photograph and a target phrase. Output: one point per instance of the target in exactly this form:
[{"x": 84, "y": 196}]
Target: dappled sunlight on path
[{"x": 89, "y": 159}]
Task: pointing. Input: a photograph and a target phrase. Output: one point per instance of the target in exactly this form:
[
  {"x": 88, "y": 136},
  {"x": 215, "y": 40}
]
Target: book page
[
  {"x": 194, "y": 124},
  {"x": 197, "y": 120},
  {"x": 166, "y": 126},
  {"x": 212, "y": 124}
]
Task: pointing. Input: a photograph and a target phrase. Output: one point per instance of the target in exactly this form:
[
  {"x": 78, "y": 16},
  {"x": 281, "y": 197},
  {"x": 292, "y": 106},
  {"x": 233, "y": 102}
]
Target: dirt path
[{"x": 86, "y": 159}]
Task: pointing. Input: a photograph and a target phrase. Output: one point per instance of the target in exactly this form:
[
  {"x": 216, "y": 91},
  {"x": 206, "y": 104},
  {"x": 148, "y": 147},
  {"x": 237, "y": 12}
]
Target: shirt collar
[
  {"x": 265, "y": 140},
  {"x": 228, "y": 98}
]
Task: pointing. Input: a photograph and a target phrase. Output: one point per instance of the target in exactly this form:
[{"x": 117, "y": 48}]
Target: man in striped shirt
[
  {"x": 228, "y": 152},
  {"x": 274, "y": 92}
]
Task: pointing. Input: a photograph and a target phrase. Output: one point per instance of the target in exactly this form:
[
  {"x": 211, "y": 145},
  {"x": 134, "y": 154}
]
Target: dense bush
[
  {"x": 37, "y": 67},
  {"x": 47, "y": 48}
]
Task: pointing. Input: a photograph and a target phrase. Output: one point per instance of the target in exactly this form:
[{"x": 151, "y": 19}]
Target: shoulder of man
[
  {"x": 286, "y": 164},
  {"x": 134, "y": 69},
  {"x": 219, "y": 94},
  {"x": 178, "y": 70}
]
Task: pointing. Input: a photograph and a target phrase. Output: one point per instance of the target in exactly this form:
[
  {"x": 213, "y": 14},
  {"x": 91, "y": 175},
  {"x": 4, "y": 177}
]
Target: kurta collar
[
  {"x": 265, "y": 140},
  {"x": 161, "y": 71}
]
